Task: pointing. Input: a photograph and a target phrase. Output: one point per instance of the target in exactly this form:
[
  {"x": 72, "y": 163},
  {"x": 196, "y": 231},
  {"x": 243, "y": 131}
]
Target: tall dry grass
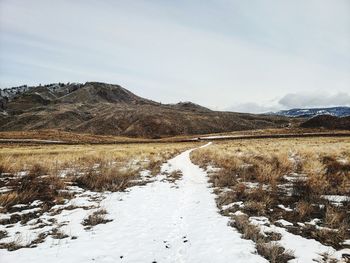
[
  {"x": 294, "y": 172},
  {"x": 40, "y": 172}
]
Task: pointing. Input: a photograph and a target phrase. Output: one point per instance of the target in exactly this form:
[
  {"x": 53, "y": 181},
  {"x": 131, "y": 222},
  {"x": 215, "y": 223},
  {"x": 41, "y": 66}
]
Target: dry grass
[
  {"x": 106, "y": 179},
  {"x": 274, "y": 253},
  {"x": 96, "y": 218},
  {"x": 70, "y": 137},
  {"x": 294, "y": 172},
  {"x": 47, "y": 169},
  {"x": 36, "y": 185},
  {"x": 265, "y": 244}
]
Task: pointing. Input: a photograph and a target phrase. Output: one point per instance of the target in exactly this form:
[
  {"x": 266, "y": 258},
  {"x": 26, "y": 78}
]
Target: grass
[
  {"x": 41, "y": 172},
  {"x": 35, "y": 185},
  {"x": 265, "y": 244},
  {"x": 96, "y": 218},
  {"x": 294, "y": 172}
]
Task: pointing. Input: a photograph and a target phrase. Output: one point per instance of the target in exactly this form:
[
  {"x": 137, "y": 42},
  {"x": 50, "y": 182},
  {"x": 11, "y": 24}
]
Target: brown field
[
  {"x": 286, "y": 179},
  {"x": 65, "y": 137},
  {"x": 41, "y": 172}
]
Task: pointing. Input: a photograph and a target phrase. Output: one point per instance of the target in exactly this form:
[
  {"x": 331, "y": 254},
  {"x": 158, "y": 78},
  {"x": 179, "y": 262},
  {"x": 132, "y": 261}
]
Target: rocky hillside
[{"x": 100, "y": 108}]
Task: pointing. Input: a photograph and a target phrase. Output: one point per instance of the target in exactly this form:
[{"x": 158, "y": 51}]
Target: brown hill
[
  {"x": 106, "y": 109},
  {"x": 328, "y": 122}
]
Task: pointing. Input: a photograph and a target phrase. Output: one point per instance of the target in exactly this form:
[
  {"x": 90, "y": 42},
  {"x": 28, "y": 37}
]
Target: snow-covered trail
[{"x": 158, "y": 222}]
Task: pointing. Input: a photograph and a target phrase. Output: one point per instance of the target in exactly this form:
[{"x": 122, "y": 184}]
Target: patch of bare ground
[{"x": 304, "y": 181}]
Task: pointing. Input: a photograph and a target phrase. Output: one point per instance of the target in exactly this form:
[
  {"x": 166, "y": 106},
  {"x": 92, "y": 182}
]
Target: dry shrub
[
  {"x": 106, "y": 179},
  {"x": 304, "y": 210},
  {"x": 225, "y": 198},
  {"x": 265, "y": 169},
  {"x": 335, "y": 218},
  {"x": 329, "y": 237},
  {"x": 273, "y": 252},
  {"x": 38, "y": 170},
  {"x": 11, "y": 246},
  {"x": 258, "y": 201},
  {"x": 96, "y": 218},
  {"x": 7, "y": 164},
  {"x": 248, "y": 230},
  {"x": 316, "y": 181},
  {"x": 3, "y": 234},
  {"x": 58, "y": 234},
  {"x": 269, "y": 250},
  {"x": 337, "y": 175},
  {"x": 240, "y": 191},
  {"x": 223, "y": 178},
  {"x": 154, "y": 165},
  {"x": 255, "y": 208},
  {"x": 174, "y": 176},
  {"x": 326, "y": 258},
  {"x": 301, "y": 189},
  {"x": 33, "y": 186},
  {"x": 333, "y": 166}
]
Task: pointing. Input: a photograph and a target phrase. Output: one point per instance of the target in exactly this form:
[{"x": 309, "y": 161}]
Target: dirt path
[{"x": 158, "y": 222}]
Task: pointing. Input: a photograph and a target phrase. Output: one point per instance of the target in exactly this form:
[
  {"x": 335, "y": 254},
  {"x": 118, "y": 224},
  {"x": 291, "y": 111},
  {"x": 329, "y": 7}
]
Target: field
[
  {"x": 39, "y": 179},
  {"x": 254, "y": 200},
  {"x": 273, "y": 186}
]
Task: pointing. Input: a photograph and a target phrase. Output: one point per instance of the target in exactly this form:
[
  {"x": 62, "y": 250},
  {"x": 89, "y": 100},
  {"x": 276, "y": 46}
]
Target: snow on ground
[
  {"x": 336, "y": 199},
  {"x": 152, "y": 223},
  {"x": 305, "y": 250}
]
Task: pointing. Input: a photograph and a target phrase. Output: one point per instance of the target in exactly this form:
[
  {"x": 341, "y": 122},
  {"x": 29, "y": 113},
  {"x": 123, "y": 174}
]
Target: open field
[
  {"x": 63, "y": 137},
  {"x": 299, "y": 186},
  {"x": 40, "y": 179},
  {"x": 274, "y": 200}
]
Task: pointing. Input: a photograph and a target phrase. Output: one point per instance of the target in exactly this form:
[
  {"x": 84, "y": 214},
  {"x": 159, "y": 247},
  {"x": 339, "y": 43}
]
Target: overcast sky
[{"x": 251, "y": 56}]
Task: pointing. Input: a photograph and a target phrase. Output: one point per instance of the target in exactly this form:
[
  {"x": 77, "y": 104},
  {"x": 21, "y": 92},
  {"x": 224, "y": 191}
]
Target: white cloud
[
  {"x": 315, "y": 100},
  {"x": 296, "y": 100}
]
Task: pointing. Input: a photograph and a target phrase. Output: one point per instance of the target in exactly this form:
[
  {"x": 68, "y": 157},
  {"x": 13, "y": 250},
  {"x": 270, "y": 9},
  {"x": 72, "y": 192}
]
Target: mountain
[
  {"x": 328, "y": 122},
  {"x": 307, "y": 113},
  {"x": 100, "y": 108}
]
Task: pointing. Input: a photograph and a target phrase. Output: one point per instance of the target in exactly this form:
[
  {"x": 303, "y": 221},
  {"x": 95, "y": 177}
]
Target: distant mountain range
[
  {"x": 100, "y": 108},
  {"x": 307, "y": 113}
]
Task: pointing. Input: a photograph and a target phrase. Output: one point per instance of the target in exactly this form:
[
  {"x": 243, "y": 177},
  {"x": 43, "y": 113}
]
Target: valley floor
[
  {"x": 162, "y": 221},
  {"x": 159, "y": 222}
]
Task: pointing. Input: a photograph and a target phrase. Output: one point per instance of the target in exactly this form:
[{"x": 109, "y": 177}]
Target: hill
[
  {"x": 328, "y": 122},
  {"x": 307, "y": 113},
  {"x": 106, "y": 109}
]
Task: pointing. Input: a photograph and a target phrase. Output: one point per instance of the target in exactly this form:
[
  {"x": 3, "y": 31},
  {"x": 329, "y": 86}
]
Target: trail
[{"x": 159, "y": 222}]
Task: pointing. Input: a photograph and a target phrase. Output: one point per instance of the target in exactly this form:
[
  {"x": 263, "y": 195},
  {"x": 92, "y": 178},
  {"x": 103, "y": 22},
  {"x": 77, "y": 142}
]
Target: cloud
[
  {"x": 294, "y": 100},
  {"x": 252, "y": 107}
]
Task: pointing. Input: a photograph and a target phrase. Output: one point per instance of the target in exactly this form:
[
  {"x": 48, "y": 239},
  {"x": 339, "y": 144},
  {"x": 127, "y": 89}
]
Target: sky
[{"x": 249, "y": 56}]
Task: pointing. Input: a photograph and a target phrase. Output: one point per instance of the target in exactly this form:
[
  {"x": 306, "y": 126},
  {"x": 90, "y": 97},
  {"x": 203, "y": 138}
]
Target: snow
[
  {"x": 283, "y": 222},
  {"x": 4, "y": 190},
  {"x": 152, "y": 223},
  {"x": 288, "y": 209},
  {"x": 336, "y": 199},
  {"x": 239, "y": 204},
  {"x": 305, "y": 250}
]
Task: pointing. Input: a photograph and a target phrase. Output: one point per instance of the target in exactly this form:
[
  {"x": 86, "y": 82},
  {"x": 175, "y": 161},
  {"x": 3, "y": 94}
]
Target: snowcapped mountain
[{"x": 334, "y": 111}]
